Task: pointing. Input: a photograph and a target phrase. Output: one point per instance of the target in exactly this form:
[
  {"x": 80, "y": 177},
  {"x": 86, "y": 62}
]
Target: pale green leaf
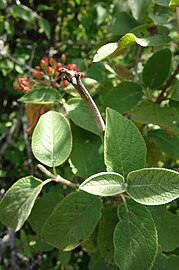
[
  {"x": 124, "y": 146},
  {"x": 135, "y": 238},
  {"x": 174, "y": 3},
  {"x": 17, "y": 203},
  {"x": 105, "y": 51},
  {"x": 41, "y": 95},
  {"x": 153, "y": 186},
  {"x": 138, "y": 7},
  {"x": 52, "y": 139},
  {"x": 73, "y": 221},
  {"x": 152, "y": 113},
  {"x": 104, "y": 184}
]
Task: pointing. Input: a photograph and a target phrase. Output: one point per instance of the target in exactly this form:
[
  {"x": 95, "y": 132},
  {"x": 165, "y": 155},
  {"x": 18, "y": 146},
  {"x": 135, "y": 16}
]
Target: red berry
[
  {"x": 63, "y": 58},
  {"x": 65, "y": 83},
  {"x": 50, "y": 71},
  {"x": 37, "y": 74},
  {"x": 44, "y": 62},
  {"x": 26, "y": 89},
  {"x": 17, "y": 87},
  {"x": 82, "y": 74},
  {"x": 37, "y": 68},
  {"x": 59, "y": 65},
  {"x": 51, "y": 61}
]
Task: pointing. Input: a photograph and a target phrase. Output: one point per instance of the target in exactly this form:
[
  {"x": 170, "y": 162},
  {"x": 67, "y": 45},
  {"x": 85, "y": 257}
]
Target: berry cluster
[{"x": 48, "y": 72}]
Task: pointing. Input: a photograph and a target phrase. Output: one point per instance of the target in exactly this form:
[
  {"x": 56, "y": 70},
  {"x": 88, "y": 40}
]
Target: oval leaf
[
  {"x": 135, "y": 238},
  {"x": 105, "y": 51},
  {"x": 153, "y": 75},
  {"x": 41, "y": 95},
  {"x": 104, "y": 184},
  {"x": 73, "y": 221},
  {"x": 52, "y": 139},
  {"x": 18, "y": 201},
  {"x": 80, "y": 115},
  {"x": 123, "y": 97},
  {"x": 124, "y": 146},
  {"x": 153, "y": 186},
  {"x": 42, "y": 210}
]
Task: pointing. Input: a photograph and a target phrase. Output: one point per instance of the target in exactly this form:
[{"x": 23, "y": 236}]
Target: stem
[
  {"x": 162, "y": 95},
  {"x": 74, "y": 78},
  {"x": 56, "y": 178},
  {"x": 177, "y": 17}
]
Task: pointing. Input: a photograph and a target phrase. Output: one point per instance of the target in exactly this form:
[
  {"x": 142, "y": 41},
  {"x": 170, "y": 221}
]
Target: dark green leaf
[
  {"x": 122, "y": 23},
  {"x": 167, "y": 227},
  {"x": 124, "y": 146},
  {"x": 152, "y": 113},
  {"x": 164, "y": 262},
  {"x": 166, "y": 143},
  {"x": 107, "y": 224},
  {"x": 87, "y": 156},
  {"x": 153, "y": 186},
  {"x": 42, "y": 210},
  {"x": 154, "y": 75},
  {"x": 41, "y": 95},
  {"x": 23, "y": 12},
  {"x": 80, "y": 115},
  {"x": 45, "y": 25},
  {"x": 135, "y": 238},
  {"x": 52, "y": 139},
  {"x": 73, "y": 221},
  {"x": 123, "y": 97}
]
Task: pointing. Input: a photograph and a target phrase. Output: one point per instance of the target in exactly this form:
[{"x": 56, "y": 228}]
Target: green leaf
[
  {"x": 166, "y": 143},
  {"x": 164, "y": 3},
  {"x": 135, "y": 238},
  {"x": 52, "y": 139},
  {"x": 122, "y": 23},
  {"x": 151, "y": 113},
  {"x": 144, "y": 35},
  {"x": 153, "y": 186},
  {"x": 17, "y": 203},
  {"x": 124, "y": 146},
  {"x": 174, "y": 3},
  {"x": 107, "y": 224},
  {"x": 175, "y": 92},
  {"x": 153, "y": 74},
  {"x": 105, "y": 51},
  {"x": 73, "y": 221},
  {"x": 45, "y": 26},
  {"x": 42, "y": 210},
  {"x": 23, "y": 12},
  {"x": 97, "y": 263},
  {"x": 164, "y": 262},
  {"x": 80, "y": 115},
  {"x": 123, "y": 97},
  {"x": 104, "y": 184},
  {"x": 87, "y": 156},
  {"x": 41, "y": 95},
  {"x": 139, "y": 7},
  {"x": 167, "y": 227}
]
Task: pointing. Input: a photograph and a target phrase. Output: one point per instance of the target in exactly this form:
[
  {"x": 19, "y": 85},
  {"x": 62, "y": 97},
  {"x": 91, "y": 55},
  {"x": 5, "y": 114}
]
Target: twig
[
  {"x": 137, "y": 62},
  {"x": 27, "y": 146},
  {"x": 56, "y": 178},
  {"x": 177, "y": 17},
  {"x": 162, "y": 94},
  {"x": 74, "y": 78},
  {"x": 12, "y": 249}
]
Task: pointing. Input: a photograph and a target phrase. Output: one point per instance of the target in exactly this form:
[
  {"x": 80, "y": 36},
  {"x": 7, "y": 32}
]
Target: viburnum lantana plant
[{"x": 109, "y": 208}]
